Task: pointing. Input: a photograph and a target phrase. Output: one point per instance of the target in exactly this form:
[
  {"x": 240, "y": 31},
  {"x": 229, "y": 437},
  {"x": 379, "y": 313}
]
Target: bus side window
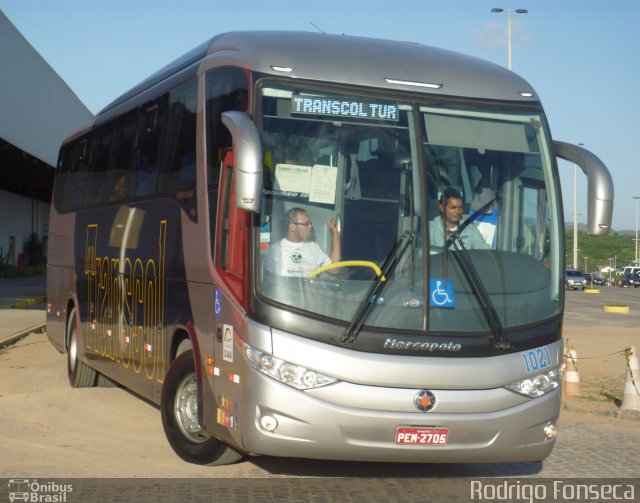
[
  {"x": 118, "y": 172},
  {"x": 152, "y": 119},
  {"x": 99, "y": 163},
  {"x": 78, "y": 185},
  {"x": 177, "y": 176},
  {"x": 63, "y": 181}
]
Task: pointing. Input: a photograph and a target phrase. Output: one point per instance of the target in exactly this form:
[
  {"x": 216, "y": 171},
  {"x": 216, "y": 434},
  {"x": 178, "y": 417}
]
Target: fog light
[
  {"x": 550, "y": 430},
  {"x": 269, "y": 423}
]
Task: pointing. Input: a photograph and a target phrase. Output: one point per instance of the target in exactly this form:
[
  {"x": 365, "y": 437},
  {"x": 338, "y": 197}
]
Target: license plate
[{"x": 407, "y": 435}]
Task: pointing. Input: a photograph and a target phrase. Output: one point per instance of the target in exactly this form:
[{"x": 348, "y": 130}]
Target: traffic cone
[
  {"x": 571, "y": 375},
  {"x": 631, "y": 393}
]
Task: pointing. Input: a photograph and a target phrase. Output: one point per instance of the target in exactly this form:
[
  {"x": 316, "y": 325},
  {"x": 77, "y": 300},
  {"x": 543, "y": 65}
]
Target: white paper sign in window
[
  {"x": 293, "y": 178},
  {"x": 323, "y": 184}
]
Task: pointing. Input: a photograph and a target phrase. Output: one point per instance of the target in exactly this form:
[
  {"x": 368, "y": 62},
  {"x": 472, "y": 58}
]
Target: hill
[
  {"x": 617, "y": 249},
  {"x": 583, "y": 227}
]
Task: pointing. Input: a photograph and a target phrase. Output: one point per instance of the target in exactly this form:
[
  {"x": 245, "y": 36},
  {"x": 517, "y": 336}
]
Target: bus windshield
[{"x": 353, "y": 183}]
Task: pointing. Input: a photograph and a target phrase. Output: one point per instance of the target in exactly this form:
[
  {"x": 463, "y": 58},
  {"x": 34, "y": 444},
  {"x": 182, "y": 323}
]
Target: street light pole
[
  {"x": 575, "y": 217},
  {"x": 575, "y": 214},
  {"x": 637, "y": 198},
  {"x": 585, "y": 265},
  {"x": 509, "y": 11}
]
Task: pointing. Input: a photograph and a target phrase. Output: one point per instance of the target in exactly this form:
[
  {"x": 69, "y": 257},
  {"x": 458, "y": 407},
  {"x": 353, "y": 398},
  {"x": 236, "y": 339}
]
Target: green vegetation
[
  {"x": 34, "y": 250},
  {"x": 600, "y": 249},
  {"x": 35, "y": 261},
  {"x": 12, "y": 271}
]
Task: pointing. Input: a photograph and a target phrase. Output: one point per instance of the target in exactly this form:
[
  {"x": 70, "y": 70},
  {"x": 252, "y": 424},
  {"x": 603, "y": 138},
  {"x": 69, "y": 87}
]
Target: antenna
[{"x": 317, "y": 27}]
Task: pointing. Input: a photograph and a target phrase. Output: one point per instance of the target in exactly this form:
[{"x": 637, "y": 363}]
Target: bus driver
[
  {"x": 450, "y": 214},
  {"x": 296, "y": 254}
]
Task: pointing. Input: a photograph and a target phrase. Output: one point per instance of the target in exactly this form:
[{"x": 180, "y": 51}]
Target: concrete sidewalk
[
  {"x": 16, "y": 295},
  {"x": 18, "y": 323}
]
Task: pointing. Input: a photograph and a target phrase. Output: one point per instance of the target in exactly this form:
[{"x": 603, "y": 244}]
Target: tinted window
[
  {"x": 78, "y": 181},
  {"x": 118, "y": 176},
  {"x": 177, "y": 178},
  {"x": 146, "y": 153},
  {"x": 101, "y": 145},
  {"x": 226, "y": 89}
]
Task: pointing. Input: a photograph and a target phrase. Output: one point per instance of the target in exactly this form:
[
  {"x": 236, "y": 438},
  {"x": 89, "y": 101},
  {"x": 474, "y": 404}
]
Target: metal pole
[
  {"x": 509, "y": 35},
  {"x": 637, "y": 198},
  {"x": 509, "y": 11},
  {"x": 575, "y": 217}
]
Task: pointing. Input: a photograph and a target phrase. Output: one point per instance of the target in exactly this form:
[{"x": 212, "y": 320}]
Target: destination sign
[{"x": 344, "y": 107}]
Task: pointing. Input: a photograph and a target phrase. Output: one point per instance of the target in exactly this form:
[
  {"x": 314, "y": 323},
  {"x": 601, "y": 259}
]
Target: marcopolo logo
[
  {"x": 41, "y": 492},
  {"x": 421, "y": 346}
]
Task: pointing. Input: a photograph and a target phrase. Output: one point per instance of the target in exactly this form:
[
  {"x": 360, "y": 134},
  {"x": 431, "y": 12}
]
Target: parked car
[
  {"x": 574, "y": 279},
  {"x": 597, "y": 280},
  {"x": 631, "y": 280}
]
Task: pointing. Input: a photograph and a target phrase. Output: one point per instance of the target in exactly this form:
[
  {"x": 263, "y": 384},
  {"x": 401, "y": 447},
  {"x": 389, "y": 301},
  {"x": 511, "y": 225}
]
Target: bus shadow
[{"x": 319, "y": 468}]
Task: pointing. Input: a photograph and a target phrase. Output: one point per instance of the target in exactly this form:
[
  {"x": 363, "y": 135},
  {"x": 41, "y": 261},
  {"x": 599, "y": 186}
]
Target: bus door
[{"x": 230, "y": 300}]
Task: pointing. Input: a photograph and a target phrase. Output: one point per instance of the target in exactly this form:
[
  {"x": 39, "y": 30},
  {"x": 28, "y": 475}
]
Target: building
[{"x": 37, "y": 111}]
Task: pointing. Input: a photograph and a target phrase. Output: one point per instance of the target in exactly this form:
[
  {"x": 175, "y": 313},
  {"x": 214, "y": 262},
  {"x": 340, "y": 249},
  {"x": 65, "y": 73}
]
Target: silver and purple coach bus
[{"x": 184, "y": 214}]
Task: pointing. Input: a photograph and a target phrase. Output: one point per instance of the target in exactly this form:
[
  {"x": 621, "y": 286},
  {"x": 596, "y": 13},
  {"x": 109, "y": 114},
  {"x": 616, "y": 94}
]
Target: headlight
[
  {"x": 286, "y": 372},
  {"x": 538, "y": 385}
]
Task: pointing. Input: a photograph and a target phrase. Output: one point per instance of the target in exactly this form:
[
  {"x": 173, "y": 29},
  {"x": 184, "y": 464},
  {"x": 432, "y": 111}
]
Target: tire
[
  {"x": 104, "y": 382},
  {"x": 80, "y": 375},
  {"x": 179, "y": 411}
]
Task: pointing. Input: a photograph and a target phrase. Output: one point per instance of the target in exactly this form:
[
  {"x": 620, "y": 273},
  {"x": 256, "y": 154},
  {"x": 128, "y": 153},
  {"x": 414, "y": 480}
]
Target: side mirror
[
  {"x": 600, "y": 186},
  {"x": 247, "y": 151}
]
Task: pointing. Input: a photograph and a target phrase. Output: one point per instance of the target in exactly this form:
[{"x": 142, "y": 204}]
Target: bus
[{"x": 245, "y": 239}]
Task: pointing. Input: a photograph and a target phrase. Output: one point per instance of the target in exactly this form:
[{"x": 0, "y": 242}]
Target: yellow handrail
[{"x": 348, "y": 263}]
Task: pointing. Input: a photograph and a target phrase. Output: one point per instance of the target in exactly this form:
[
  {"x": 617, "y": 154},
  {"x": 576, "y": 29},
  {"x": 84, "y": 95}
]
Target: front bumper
[{"x": 313, "y": 427}]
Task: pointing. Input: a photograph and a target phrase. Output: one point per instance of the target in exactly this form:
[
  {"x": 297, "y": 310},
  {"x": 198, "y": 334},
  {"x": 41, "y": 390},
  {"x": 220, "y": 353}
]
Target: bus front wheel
[{"x": 179, "y": 410}]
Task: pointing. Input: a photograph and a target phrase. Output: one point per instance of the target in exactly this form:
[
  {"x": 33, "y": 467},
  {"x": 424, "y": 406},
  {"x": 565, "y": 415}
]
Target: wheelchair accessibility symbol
[
  {"x": 441, "y": 293},
  {"x": 217, "y": 302}
]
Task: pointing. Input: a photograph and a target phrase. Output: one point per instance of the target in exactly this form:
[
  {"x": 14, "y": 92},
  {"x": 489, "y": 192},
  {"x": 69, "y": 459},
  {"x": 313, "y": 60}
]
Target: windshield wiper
[
  {"x": 375, "y": 291},
  {"x": 471, "y": 273}
]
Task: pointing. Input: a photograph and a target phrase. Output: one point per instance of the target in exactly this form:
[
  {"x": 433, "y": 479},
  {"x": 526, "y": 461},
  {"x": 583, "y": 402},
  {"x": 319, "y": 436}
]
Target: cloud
[{"x": 494, "y": 34}]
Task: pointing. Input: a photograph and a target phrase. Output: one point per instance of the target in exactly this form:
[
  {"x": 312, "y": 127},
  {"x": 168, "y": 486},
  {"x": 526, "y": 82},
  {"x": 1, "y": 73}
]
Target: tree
[{"x": 34, "y": 250}]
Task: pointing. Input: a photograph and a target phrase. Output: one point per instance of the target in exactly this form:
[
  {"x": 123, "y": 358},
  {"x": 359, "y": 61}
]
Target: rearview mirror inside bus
[{"x": 247, "y": 157}]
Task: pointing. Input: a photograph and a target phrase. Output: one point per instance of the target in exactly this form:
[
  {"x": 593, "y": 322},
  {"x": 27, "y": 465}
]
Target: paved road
[
  {"x": 49, "y": 430},
  {"x": 584, "y": 307},
  {"x": 23, "y": 292}
]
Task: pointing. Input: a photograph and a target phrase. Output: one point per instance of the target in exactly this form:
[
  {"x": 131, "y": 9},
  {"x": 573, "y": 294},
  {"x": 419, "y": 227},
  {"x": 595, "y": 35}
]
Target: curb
[
  {"x": 8, "y": 340},
  {"x": 26, "y": 303}
]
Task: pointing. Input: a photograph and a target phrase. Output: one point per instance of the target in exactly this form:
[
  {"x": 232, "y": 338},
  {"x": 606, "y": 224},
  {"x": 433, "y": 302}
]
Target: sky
[{"x": 579, "y": 55}]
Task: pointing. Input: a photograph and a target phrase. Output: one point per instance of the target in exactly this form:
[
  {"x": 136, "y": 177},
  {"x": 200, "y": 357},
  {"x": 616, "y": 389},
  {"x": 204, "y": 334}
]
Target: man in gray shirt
[{"x": 451, "y": 211}]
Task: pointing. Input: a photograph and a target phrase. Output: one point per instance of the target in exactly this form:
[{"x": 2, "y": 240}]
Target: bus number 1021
[{"x": 536, "y": 359}]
